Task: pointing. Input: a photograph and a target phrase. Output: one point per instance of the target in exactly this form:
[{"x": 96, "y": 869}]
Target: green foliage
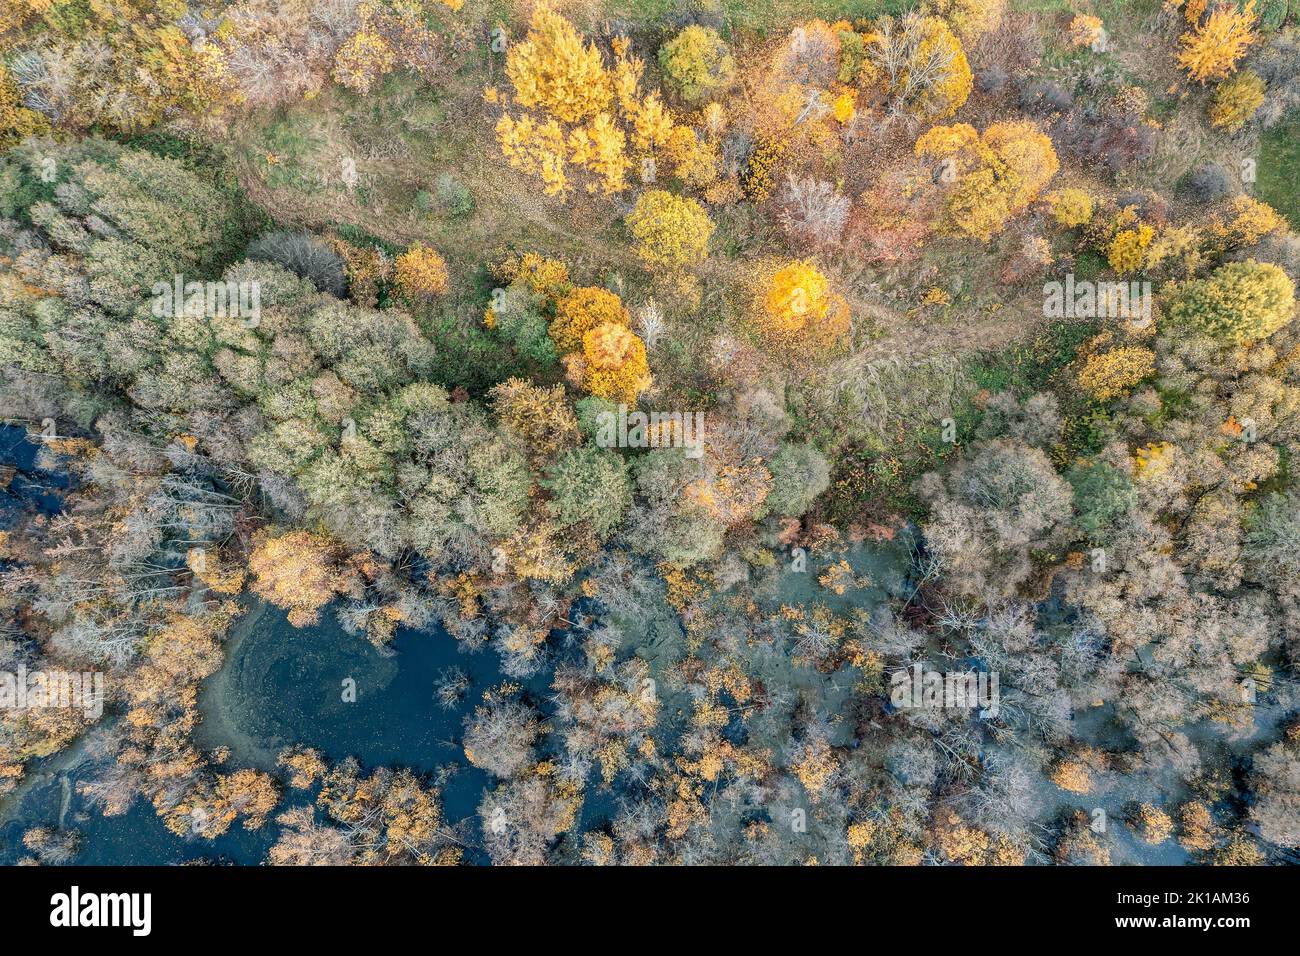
[
  {"x": 799, "y": 474},
  {"x": 1103, "y": 495},
  {"x": 696, "y": 63},
  {"x": 1240, "y": 302},
  {"x": 589, "y": 484}
]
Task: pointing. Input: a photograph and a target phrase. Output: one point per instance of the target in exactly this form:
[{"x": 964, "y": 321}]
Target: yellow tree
[
  {"x": 554, "y": 70},
  {"x": 669, "y": 230},
  {"x": 992, "y": 177},
  {"x": 797, "y": 309},
  {"x": 582, "y": 310},
  {"x": 969, "y": 19},
  {"x": 298, "y": 571},
  {"x": 1212, "y": 50},
  {"x": 420, "y": 272},
  {"x": 612, "y": 363}
]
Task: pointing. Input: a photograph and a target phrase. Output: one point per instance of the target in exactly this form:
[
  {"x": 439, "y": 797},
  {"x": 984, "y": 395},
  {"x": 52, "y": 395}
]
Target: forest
[{"x": 842, "y": 433}]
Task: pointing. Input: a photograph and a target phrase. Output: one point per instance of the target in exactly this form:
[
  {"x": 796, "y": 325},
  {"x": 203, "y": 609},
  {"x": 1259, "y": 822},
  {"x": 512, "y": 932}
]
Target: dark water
[{"x": 280, "y": 686}]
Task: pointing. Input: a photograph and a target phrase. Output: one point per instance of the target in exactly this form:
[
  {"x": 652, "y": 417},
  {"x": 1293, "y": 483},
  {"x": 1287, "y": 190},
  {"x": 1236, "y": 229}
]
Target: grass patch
[{"x": 1278, "y": 171}]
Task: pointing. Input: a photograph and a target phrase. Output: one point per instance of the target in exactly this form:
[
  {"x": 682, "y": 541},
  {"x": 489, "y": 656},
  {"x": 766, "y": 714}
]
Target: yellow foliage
[
  {"x": 420, "y": 272},
  {"x": 362, "y": 60},
  {"x": 797, "y": 309},
  {"x": 1212, "y": 49},
  {"x": 1070, "y": 207},
  {"x": 1126, "y": 251},
  {"x": 998, "y": 174},
  {"x": 1072, "y": 775},
  {"x": 1085, "y": 30},
  {"x": 669, "y": 230},
  {"x": 1107, "y": 375},
  {"x": 614, "y": 363},
  {"x": 598, "y": 147},
  {"x": 297, "y": 571},
  {"x": 1153, "y": 825},
  {"x": 969, "y": 19},
  {"x": 1235, "y": 100},
  {"x": 535, "y": 149},
  {"x": 554, "y": 70},
  {"x": 582, "y": 310}
]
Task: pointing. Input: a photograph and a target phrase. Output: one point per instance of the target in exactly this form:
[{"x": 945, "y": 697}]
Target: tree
[
  {"x": 1212, "y": 49},
  {"x": 997, "y": 175},
  {"x": 305, "y": 255},
  {"x": 420, "y": 273},
  {"x": 589, "y": 484},
  {"x": 996, "y": 504},
  {"x": 813, "y": 211},
  {"x": 499, "y": 736},
  {"x": 1107, "y": 374},
  {"x": 298, "y": 571},
  {"x": 582, "y": 310},
  {"x": 612, "y": 363},
  {"x": 797, "y": 309},
  {"x": 669, "y": 230},
  {"x": 969, "y": 19},
  {"x": 696, "y": 63},
  {"x": 364, "y": 59},
  {"x": 540, "y": 416},
  {"x": 1103, "y": 496},
  {"x": 1239, "y": 302},
  {"x": 920, "y": 64},
  {"x": 1070, "y": 207},
  {"x": 552, "y": 69}
]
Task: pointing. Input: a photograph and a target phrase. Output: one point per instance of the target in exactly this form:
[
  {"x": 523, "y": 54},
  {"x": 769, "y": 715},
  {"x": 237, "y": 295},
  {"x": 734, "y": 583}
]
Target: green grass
[
  {"x": 1278, "y": 171},
  {"x": 1030, "y": 366}
]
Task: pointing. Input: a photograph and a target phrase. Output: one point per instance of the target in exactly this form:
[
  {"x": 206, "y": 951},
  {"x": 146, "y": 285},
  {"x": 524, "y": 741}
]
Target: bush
[
  {"x": 799, "y": 474},
  {"x": 1210, "y": 182},
  {"x": 420, "y": 273},
  {"x": 1070, "y": 207},
  {"x": 454, "y": 198},
  {"x": 305, "y": 255}
]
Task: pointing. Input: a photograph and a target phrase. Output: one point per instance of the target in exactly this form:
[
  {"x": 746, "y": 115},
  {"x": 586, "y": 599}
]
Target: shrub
[
  {"x": 1235, "y": 101},
  {"x": 453, "y": 196},
  {"x": 1102, "y": 495},
  {"x": 420, "y": 273},
  {"x": 1070, "y": 207},
  {"x": 305, "y": 255},
  {"x": 1107, "y": 375},
  {"x": 799, "y": 474},
  {"x": 1209, "y": 182}
]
